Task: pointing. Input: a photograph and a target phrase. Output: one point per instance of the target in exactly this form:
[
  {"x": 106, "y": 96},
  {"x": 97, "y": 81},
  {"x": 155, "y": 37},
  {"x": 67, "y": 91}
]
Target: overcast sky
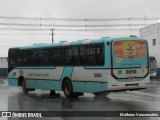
[
  {"x": 80, "y": 8},
  {"x": 68, "y": 9}
]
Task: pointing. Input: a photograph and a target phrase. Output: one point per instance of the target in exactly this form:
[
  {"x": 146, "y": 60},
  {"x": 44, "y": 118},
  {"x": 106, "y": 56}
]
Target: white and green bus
[{"x": 83, "y": 66}]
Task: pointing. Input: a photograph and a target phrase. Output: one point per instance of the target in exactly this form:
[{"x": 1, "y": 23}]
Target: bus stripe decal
[{"x": 67, "y": 72}]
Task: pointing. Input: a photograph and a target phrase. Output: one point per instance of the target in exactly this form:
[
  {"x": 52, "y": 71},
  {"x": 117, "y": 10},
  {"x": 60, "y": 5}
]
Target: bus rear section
[{"x": 129, "y": 65}]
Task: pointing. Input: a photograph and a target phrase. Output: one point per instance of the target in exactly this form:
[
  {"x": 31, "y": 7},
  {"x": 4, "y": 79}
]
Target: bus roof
[{"x": 78, "y": 42}]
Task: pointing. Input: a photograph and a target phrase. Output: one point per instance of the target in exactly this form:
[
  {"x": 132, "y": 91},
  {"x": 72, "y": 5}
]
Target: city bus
[
  {"x": 82, "y": 66},
  {"x": 152, "y": 62}
]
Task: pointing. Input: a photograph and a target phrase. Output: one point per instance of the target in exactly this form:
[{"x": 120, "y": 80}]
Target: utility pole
[
  {"x": 53, "y": 35},
  {"x": 145, "y": 17}
]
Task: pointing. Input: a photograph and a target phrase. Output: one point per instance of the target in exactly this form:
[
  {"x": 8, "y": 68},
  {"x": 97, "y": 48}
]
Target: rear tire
[{"x": 67, "y": 88}]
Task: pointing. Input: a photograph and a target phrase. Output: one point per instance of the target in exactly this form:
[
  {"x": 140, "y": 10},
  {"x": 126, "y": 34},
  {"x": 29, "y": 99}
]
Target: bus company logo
[
  {"x": 6, "y": 114},
  {"x": 119, "y": 71},
  {"x": 21, "y": 114}
]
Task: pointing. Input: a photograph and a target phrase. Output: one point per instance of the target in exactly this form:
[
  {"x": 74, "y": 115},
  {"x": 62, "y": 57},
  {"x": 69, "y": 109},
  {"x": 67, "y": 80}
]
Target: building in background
[
  {"x": 3, "y": 66},
  {"x": 152, "y": 35}
]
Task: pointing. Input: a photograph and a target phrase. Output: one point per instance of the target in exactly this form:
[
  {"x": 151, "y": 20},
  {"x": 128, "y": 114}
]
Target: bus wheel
[
  {"x": 25, "y": 90},
  {"x": 67, "y": 88}
]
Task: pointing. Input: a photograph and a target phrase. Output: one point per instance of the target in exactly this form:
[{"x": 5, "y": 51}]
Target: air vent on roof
[
  {"x": 83, "y": 39},
  {"x": 62, "y": 41},
  {"x": 105, "y": 37},
  {"x": 133, "y": 36},
  {"x": 39, "y": 43}
]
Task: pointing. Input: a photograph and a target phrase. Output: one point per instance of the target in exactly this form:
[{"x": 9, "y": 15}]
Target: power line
[
  {"x": 28, "y": 34},
  {"x": 66, "y": 34},
  {"x": 22, "y": 29},
  {"x": 78, "y": 19},
  {"x": 43, "y": 29},
  {"x": 58, "y": 25}
]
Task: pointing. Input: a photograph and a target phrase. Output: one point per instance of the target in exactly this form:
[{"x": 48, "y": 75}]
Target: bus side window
[
  {"x": 57, "y": 55},
  {"x": 75, "y": 56},
  {"x": 92, "y": 55},
  {"x": 35, "y": 57},
  {"x": 91, "y": 50},
  {"x": 82, "y": 55},
  {"x": 61, "y": 56},
  {"x": 46, "y": 57},
  {"x": 41, "y": 60},
  {"x": 68, "y": 53},
  {"x": 23, "y": 58},
  {"x": 29, "y": 58},
  {"x": 100, "y": 55},
  {"x": 87, "y": 55}
]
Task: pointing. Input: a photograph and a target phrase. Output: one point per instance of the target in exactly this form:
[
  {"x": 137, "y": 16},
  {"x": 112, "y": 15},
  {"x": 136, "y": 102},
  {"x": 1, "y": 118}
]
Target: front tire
[{"x": 25, "y": 90}]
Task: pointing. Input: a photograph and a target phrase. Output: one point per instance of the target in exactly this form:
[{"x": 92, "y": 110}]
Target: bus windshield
[{"x": 130, "y": 59}]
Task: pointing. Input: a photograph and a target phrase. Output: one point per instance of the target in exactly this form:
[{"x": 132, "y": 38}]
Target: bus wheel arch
[{"x": 67, "y": 87}]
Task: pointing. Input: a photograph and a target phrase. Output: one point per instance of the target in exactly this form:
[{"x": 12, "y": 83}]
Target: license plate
[{"x": 130, "y": 79}]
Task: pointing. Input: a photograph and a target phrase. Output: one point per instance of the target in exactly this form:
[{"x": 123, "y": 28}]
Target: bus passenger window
[
  {"x": 57, "y": 55},
  {"x": 75, "y": 56},
  {"x": 87, "y": 55},
  {"x": 100, "y": 55},
  {"x": 35, "y": 57}
]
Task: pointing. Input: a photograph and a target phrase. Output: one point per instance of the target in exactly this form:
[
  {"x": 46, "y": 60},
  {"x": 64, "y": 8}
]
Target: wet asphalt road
[{"x": 13, "y": 99}]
